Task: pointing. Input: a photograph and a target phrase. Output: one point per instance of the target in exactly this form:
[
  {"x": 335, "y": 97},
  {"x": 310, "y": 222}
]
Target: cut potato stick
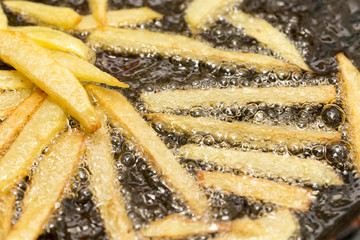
[
  {"x": 3, "y": 19},
  {"x": 43, "y": 126},
  {"x": 58, "y": 82},
  {"x": 84, "y": 70},
  {"x": 179, "y": 226},
  {"x": 269, "y": 191},
  {"x": 183, "y": 99},
  {"x": 19, "y": 117},
  {"x": 13, "y": 80},
  {"x": 237, "y": 130},
  {"x": 98, "y": 9},
  {"x": 123, "y": 114},
  {"x": 103, "y": 180},
  {"x": 265, "y": 33},
  {"x": 266, "y": 164},
  {"x": 10, "y": 99},
  {"x": 6, "y": 214},
  {"x": 47, "y": 185},
  {"x": 57, "y": 40},
  {"x": 42, "y": 14},
  {"x": 144, "y": 41},
  {"x": 119, "y": 18},
  {"x": 5, "y": 113}
]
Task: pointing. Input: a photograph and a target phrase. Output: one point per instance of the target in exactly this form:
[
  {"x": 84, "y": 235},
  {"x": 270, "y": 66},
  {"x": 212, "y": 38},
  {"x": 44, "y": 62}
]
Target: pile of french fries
[{"x": 53, "y": 79}]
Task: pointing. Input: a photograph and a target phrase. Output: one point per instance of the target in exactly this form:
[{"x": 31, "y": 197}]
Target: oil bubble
[
  {"x": 337, "y": 151},
  {"x": 332, "y": 115}
]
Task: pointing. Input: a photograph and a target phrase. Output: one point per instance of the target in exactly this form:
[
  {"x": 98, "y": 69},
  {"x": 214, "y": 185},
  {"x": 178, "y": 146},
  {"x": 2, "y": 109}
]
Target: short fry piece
[
  {"x": 6, "y": 214},
  {"x": 10, "y": 99},
  {"x": 98, "y": 9},
  {"x": 266, "y": 164},
  {"x": 58, "y": 17},
  {"x": 123, "y": 114},
  {"x": 13, "y": 80},
  {"x": 264, "y": 32},
  {"x": 84, "y": 70},
  {"x": 236, "y": 130},
  {"x": 46, "y": 122},
  {"x": 57, "y": 40},
  {"x": 58, "y": 82},
  {"x": 3, "y": 19},
  {"x": 47, "y": 185},
  {"x": 103, "y": 180},
  {"x": 269, "y": 191},
  {"x": 19, "y": 117},
  {"x": 183, "y": 99}
]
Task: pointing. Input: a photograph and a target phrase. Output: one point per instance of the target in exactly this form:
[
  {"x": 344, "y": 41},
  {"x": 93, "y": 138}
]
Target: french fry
[
  {"x": 19, "y": 117},
  {"x": 119, "y": 18},
  {"x": 266, "y": 164},
  {"x": 144, "y": 41},
  {"x": 46, "y": 122},
  {"x": 265, "y": 33},
  {"x": 13, "y": 80},
  {"x": 47, "y": 185},
  {"x": 57, "y": 40},
  {"x": 42, "y": 14},
  {"x": 3, "y": 19},
  {"x": 103, "y": 180},
  {"x": 123, "y": 114},
  {"x": 183, "y": 99},
  {"x": 269, "y": 191},
  {"x": 237, "y": 130},
  {"x": 5, "y": 112},
  {"x": 7, "y": 203},
  {"x": 58, "y": 82},
  {"x": 98, "y": 9},
  {"x": 10, "y": 99},
  {"x": 83, "y": 70}
]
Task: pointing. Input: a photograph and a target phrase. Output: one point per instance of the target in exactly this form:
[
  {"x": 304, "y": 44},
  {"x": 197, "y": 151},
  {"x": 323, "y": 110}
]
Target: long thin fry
[
  {"x": 47, "y": 185},
  {"x": 54, "y": 79},
  {"x": 262, "y": 189},
  {"x": 13, "y": 80},
  {"x": 183, "y": 99},
  {"x": 3, "y": 19},
  {"x": 98, "y": 9},
  {"x": 46, "y": 122},
  {"x": 19, "y": 117},
  {"x": 105, "y": 185},
  {"x": 4, "y": 113},
  {"x": 237, "y": 130},
  {"x": 83, "y": 70},
  {"x": 266, "y": 164},
  {"x": 10, "y": 99},
  {"x": 58, "y": 17},
  {"x": 123, "y": 114},
  {"x": 264, "y": 32},
  {"x": 57, "y": 40},
  {"x": 6, "y": 214},
  {"x": 119, "y": 18},
  {"x": 135, "y": 40}
]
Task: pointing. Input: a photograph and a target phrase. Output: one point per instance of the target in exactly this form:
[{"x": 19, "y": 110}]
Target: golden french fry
[
  {"x": 58, "y": 17},
  {"x": 119, "y": 18},
  {"x": 5, "y": 112},
  {"x": 144, "y": 41},
  {"x": 83, "y": 70},
  {"x": 98, "y": 9},
  {"x": 58, "y": 82},
  {"x": 266, "y": 164},
  {"x": 3, "y": 19},
  {"x": 105, "y": 186},
  {"x": 57, "y": 40},
  {"x": 235, "y": 131},
  {"x": 10, "y": 99},
  {"x": 123, "y": 114},
  {"x": 269, "y": 191},
  {"x": 48, "y": 184},
  {"x": 13, "y": 80},
  {"x": 46, "y": 122},
  {"x": 7, "y": 203},
  {"x": 183, "y": 99},
  {"x": 19, "y": 117}
]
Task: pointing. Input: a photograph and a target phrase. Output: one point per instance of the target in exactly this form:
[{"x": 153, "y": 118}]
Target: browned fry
[
  {"x": 98, "y": 9},
  {"x": 13, "y": 80},
  {"x": 7, "y": 203}
]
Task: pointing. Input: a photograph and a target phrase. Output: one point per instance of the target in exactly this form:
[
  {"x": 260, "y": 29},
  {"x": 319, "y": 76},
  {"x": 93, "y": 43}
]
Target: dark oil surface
[{"x": 319, "y": 28}]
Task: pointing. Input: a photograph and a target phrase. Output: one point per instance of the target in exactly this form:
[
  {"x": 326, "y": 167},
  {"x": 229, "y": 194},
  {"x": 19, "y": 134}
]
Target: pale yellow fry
[
  {"x": 10, "y": 99},
  {"x": 36, "y": 63},
  {"x": 144, "y": 41},
  {"x": 98, "y": 9},
  {"x": 269, "y": 191},
  {"x": 43, "y": 126},
  {"x": 42, "y": 14},
  {"x": 237, "y": 130},
  {"x": 350, "y": 77},
  {"x": 47, "y": 185},
  {"x": 105, "y": 186},
  {"x": 3, "y": 19},
  {"x": 19, "y": 117},
  {"x": 119, "y": 18},
  {"x": 183, "y": 99},
  {"x": 123, "y": 114},
  {"x": 84, "y": 70},
  {"x": 7, "y": 203},
  {"x": 265, "y": 33},
  {"x": 12, "y": 80},
  {"x": 57, "y": 40},
  {"x": 5, "y": 112},
  {"x": 266, "y": 164}
]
